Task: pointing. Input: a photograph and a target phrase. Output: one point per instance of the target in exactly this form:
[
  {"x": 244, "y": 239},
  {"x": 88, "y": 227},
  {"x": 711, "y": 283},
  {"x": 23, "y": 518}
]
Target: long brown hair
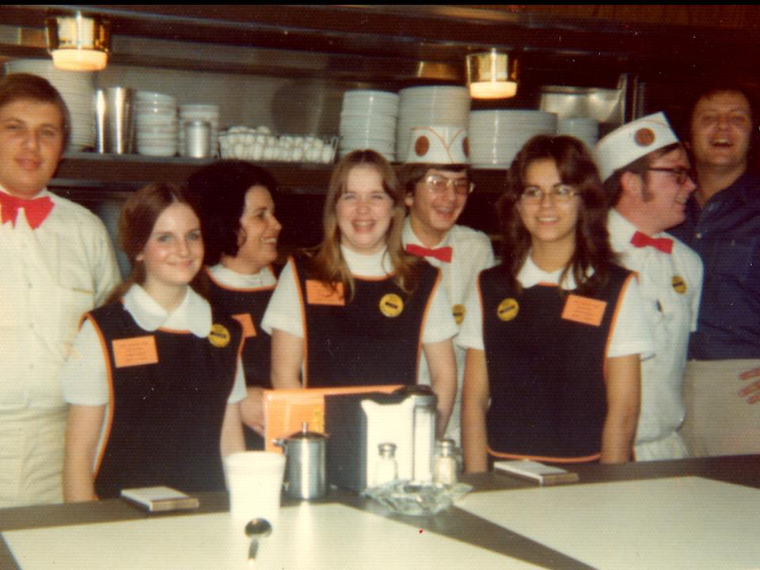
[
  {"x": 136, "y": 221},
  {"x": 327, "y": 263},
  {"x": 576, "y": 168}
]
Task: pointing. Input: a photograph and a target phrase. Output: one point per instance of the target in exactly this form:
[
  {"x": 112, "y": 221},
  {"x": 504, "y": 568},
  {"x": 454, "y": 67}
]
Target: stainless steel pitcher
[{"x": 306, "y": 463}]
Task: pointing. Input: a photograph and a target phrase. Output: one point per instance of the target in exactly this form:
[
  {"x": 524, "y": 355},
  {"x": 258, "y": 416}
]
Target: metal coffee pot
[{"x": 306, "y": 463}]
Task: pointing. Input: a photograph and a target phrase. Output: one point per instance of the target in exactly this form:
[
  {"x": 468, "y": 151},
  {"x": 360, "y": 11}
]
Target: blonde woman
[{"x": 359, "y": 310}]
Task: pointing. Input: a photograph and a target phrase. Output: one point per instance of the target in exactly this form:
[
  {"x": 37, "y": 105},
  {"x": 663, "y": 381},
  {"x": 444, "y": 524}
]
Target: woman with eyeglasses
[
  {"x": 358, "y": 310},
  {"x": 555, "y": 334}
]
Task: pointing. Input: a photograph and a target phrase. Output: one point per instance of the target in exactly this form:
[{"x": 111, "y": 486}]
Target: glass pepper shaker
[
  {"x": 445, "y": 470},
  {"x": 386, "y": 469}
]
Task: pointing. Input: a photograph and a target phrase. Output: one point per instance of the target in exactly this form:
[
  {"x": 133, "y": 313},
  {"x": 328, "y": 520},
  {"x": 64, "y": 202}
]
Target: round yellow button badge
[
  {"x": 458, "y": 312},
  {"x": 679, "y": 284},
  {"x": 508, "y": 309},
  {"x": 219, "y": 336},
  {"x": 391, "y": 305}
]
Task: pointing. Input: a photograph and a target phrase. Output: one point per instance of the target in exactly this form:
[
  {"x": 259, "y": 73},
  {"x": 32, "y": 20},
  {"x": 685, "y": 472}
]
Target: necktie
[
  {"x": 665, "y": 245},
  {"x": 36, "y": 210},
  {"x": 441, "y": 253}
]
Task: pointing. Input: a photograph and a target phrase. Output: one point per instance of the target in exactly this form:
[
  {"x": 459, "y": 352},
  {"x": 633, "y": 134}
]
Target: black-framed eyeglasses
[
  {"x": 681, "y": 174},
  {"x": 438, "y": 184},
  {"x": 559, "y": 194}
]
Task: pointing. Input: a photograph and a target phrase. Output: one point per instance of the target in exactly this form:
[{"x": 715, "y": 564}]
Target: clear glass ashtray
[{"x": 415, "y": 499}]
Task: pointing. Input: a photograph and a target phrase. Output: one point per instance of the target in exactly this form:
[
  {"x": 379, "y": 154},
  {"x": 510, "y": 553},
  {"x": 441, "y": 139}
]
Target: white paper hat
[
  {"x": 439, "y": 144},
  {"x": 632, "y": 141}
]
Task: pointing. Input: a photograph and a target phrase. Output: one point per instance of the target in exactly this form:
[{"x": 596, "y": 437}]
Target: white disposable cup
[{"x": 254, "y": 482}]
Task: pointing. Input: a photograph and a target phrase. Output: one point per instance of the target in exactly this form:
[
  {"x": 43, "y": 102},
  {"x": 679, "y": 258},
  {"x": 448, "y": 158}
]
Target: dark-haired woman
[
  {"x": 361, "y": 311},
  {"x": 554, "y": 334},
  {"x": 240, "y": 232},
  {"x": 153, "y": 379}
]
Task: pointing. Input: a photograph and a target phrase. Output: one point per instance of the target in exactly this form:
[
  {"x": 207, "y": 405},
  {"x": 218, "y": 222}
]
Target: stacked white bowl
[
  {"x": 199, "y": 112},
  {"x": 155, "y": 123},
  {"x": 368, "y": 121},
  {"x": 583, "y": 128},
  {"x": 497, "y": 136},
  {"x": 431, "y": 105},
  {"x": 78, "y": 91}
]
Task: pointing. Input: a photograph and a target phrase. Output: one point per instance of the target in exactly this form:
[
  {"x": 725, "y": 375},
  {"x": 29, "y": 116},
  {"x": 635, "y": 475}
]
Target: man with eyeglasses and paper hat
[
  {"x": 645, "y": 171},
  {"x": 436, "y": 183}
]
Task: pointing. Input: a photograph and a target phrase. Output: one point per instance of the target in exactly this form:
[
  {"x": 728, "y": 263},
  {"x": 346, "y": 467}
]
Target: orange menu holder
[{"x": 286, "y": 410}]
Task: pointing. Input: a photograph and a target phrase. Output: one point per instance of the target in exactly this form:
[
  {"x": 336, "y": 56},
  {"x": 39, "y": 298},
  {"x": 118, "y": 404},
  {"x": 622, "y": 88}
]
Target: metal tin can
[{"x": 197, "y": 139}]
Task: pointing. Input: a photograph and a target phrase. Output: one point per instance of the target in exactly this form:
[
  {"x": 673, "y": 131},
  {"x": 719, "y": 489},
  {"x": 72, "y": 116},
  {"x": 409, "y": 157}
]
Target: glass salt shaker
[
  {"x": 386, "y": 469},
  {"x": 445, "y": 470}
]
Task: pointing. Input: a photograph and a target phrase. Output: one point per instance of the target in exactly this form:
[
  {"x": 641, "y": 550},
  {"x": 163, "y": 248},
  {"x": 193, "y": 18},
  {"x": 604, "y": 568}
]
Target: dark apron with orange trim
[
  {"x": 545, "y": 372},
  {"x": 374, "y": 339},
  {"x": 248, "y": 305},
  {"x": 166, "y": 417}
]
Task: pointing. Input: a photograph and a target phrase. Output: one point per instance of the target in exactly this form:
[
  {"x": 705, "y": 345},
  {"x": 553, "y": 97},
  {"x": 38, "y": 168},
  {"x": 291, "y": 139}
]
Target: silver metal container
[
  {"x": 197, "y": 139},
  {"x": 119, "y": 131},
  {"x": 306, "y": 464}
]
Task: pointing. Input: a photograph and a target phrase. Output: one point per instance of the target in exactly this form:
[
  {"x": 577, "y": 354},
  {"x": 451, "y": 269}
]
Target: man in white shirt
[
  {"x": 645, "y": 171},
  {"x": 57, "y": 263},
  {"x": 436, "y": 182}
]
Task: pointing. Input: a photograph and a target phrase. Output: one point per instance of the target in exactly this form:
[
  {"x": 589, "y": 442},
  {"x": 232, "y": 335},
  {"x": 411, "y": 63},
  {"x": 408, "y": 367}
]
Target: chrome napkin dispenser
[{"x": 359, "y": 423}]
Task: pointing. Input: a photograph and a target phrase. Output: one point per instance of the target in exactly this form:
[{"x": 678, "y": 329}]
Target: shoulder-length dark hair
[
  {"x": 576, "y": 168},
  {"x": 136, "y": 222},
  {"x": 327, "y": 263},
  {"x": 220, "y": 189}
]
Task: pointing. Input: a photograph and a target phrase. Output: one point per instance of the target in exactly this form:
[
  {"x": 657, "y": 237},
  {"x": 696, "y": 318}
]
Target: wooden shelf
[{"x": 128, "y": 172}]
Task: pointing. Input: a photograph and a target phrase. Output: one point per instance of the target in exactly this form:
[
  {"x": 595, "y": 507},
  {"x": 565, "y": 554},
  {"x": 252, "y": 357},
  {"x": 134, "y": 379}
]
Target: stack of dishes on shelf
[
  {"x": 156, "y": 123},
  {"x": 78, "y": 91},
  {"x": 424, "y": 106},
  {"x": 582, "y": 128},
  {"x": 368, "y": 121},
  {"x": 497, "y": 136},
  {"x": 199, "y": 112}
]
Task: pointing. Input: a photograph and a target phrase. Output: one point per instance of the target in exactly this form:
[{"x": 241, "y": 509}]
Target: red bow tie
[
  {"x": 36, "y": 210},
  {"x": 665, "y": 245},
  {"x": 441, "y": 253}
]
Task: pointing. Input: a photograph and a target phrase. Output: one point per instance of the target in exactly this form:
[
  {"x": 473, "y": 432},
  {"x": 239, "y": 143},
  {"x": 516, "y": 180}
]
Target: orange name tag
[
  {"x": 584, "y": 310},
  {"x": 245, "y": 320},
  {"x": 317, "y": 293},
  {"x": 135, "y": 351}
]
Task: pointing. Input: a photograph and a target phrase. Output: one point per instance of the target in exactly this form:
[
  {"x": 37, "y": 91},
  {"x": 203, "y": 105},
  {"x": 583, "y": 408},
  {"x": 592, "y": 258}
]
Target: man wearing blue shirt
[{"x": 723, "y": 226}]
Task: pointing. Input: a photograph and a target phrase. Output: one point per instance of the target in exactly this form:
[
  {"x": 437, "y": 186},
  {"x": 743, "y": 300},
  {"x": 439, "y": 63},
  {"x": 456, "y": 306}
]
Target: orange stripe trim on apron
[{"x": 111, "y": 397}]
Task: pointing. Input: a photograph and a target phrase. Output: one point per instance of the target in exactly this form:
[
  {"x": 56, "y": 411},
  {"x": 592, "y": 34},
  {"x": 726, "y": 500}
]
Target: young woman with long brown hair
[
  {"x": 554, "y": 334},
  {"x": 154, "y": 378},
  {"x": 359, "y": 310}
]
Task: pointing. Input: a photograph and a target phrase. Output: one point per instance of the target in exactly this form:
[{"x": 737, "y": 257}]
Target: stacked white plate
[
  {"x": 425, "y": 106},
  {"x": 199, "y": 112},
  {"x": 368, "y": 121},
  {"x": 497, "y": 136},
  {"x": 78, "y": 91},
  {"x": 583, "y": 128},
  {"x": 155, "y": 123}
]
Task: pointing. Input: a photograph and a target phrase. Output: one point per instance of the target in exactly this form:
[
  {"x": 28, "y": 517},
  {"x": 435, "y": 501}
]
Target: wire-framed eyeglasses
[
  {"x": 558, "y": 194},
  {"x": 438, "y": 184}
]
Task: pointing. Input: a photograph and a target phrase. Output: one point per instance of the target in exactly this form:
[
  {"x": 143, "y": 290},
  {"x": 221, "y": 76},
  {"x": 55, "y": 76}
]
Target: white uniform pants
[{"x": 31, "y": 456}]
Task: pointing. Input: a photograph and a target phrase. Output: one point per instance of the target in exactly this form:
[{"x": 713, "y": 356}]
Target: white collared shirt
[
  {"x": 632, "y": 333},
  {"x": 50, "y": 277},
  {"x": 672, "y": 317},
  {"x": 84, "y": 377},
  {"x": 284, "y": 311},
  {"x": 226, "y": 276},
  {"x": 471, "y": 253}
]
